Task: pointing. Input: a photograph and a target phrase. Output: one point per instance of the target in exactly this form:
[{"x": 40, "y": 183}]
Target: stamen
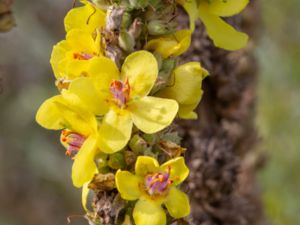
[
  {"x": 120, "y": 91},
  {"x": 158, "y": 183},
  {"x": 72, "y": 142},
  {"x": 82, "y": 56}
]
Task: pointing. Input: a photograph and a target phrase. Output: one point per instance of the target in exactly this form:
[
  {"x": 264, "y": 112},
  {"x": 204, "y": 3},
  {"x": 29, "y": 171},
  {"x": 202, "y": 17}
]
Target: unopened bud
[
  {"x": 160, "y": 27},
  {"x": 116, "y": 161},
  {"x": 126, "y": 41},
  {"x": 137, "y": 144},
  {"x": 130, "y": 157},
  {"x": 137, "y": 4}
]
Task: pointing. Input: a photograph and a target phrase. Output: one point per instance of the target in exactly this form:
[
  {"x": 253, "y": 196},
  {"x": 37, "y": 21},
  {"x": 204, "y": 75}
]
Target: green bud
[
  {"x": 102, "y": 4},
  {"x": 150, "y": 138},
  {"x": 160, "y": 27},
  {"x": 165, "y": 72},
  {"x": 101, "y": 160},
  {"x": 137, "y": 144},
  {"x": 138, "y": 4},
  {"x": 116, "y": 161},
  {"x": 126, "y": 41},
  {"x": 136, "y": 28},
  {"x": 130, "y": 157}
]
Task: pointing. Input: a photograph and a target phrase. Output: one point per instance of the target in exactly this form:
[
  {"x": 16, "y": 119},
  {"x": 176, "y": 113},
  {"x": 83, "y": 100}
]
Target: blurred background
[{"x": 35, "y": 184}]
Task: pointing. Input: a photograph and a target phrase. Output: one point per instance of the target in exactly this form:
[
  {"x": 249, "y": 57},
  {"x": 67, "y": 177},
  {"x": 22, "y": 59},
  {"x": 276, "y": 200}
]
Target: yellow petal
[
  {"x": 177, "y": 203},
  {"x": 190, "y": 6},
  {"x": 84, "y": 166},
  {"x": 151, "y": 114},
  {"x": 185, "y": 87},
  {"x": 82, "y": 42},
  {"x": 103, "y": 71},
  {"x": 57, "y": 58},
  {"x": 84, "y": 196},
  {"x": 148, "y": 213},
  {"x": 141, "y": 70},
  {"x": 76, "y": 117},
  {"x": 115, "y": 131},
  {"x": 171, "y": 45},
  {"x": 86, "y": 18},
  {"x": 61, "y": 112},
  {"x": 145, "y": 165},
  {"x": 49, "y": 115},
  {"x": 226, "y": 8},
  {"x": 128, "y": 185},
  {"x": 84, "y": 88},
  {"x": 222, "y": 34},
  {"x": 179, "y": 171},
  {"x": 186, "y": 111}
]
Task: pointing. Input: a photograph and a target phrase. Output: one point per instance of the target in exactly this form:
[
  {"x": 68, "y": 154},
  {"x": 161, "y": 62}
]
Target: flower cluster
[{"x": 121, "y": 87}]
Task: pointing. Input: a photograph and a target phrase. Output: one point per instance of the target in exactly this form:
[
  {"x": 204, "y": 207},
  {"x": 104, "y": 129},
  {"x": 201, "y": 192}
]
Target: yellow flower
[
  {"x": 185, "y": 87},
  {"x": 79, "y": 132},
  {"x": 86, "y": 18},
  {"x": 71, "y": 57},
  {"x": 121, "y": 100},
  {"x": 210, "y": 13},
  {"x": 154, "y": 185},
  {"x": 171, "y": 45}
]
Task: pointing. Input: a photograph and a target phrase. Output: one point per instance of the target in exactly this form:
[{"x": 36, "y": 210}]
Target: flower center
[
  {"x": 120, "y": 91},
  {"x": 82, "y": 55},
  {"x": 158, "y": 183},
  {"x": 72, "y": 142}
]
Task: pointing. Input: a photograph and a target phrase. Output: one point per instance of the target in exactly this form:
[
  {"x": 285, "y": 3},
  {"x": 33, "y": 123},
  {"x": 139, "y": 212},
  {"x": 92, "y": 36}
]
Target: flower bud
[
  {"x": 116, "y": 161},
  {"x": 126, "y": 42},
  {"x": 137, "y": 4},
  {"x": 160, "y": 27},
  {"x": 137, "y": 144}
]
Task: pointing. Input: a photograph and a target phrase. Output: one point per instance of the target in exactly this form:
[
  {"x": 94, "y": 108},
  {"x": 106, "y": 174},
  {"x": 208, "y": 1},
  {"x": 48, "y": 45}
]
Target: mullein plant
[{"x": 120, "y": 87}]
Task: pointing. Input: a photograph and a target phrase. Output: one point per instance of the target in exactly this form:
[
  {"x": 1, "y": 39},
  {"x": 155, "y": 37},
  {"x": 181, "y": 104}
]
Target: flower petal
[
  {"x": 76, "y": 116},
  {"x": 178, "y": 169},
  {"x": 86, "y": 18},
  {"x": 49, "y": 115},
  {"x": 185, "y": 86},
  {"x": 128, "y": 185},
  {"x": 226, "y": 8},
  {"x": 171, "y": 45},
  {"x": 177, "y": 203},
  {"x": 222, "y": 34},
  {"x": 186, "y": 111},
  {"x": 141, "y": 70},
  {"x": 145, "y": 165},
  {"x": 103, "y": 71},
  {"x": 115, "y": 131},
  {"x": 82, "y": 42},
  {"x": 58, "y": 113},
  {"x": 148, "y": 213},
  {"x": 151, "y": 114},
  {"x": 190, "y": 6},
  {"x": 84, "y": 196},
  {"x": 57, "y": 58},
  {"x": 84, "y": 166},
  {"x": 84, "y": 88}
]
